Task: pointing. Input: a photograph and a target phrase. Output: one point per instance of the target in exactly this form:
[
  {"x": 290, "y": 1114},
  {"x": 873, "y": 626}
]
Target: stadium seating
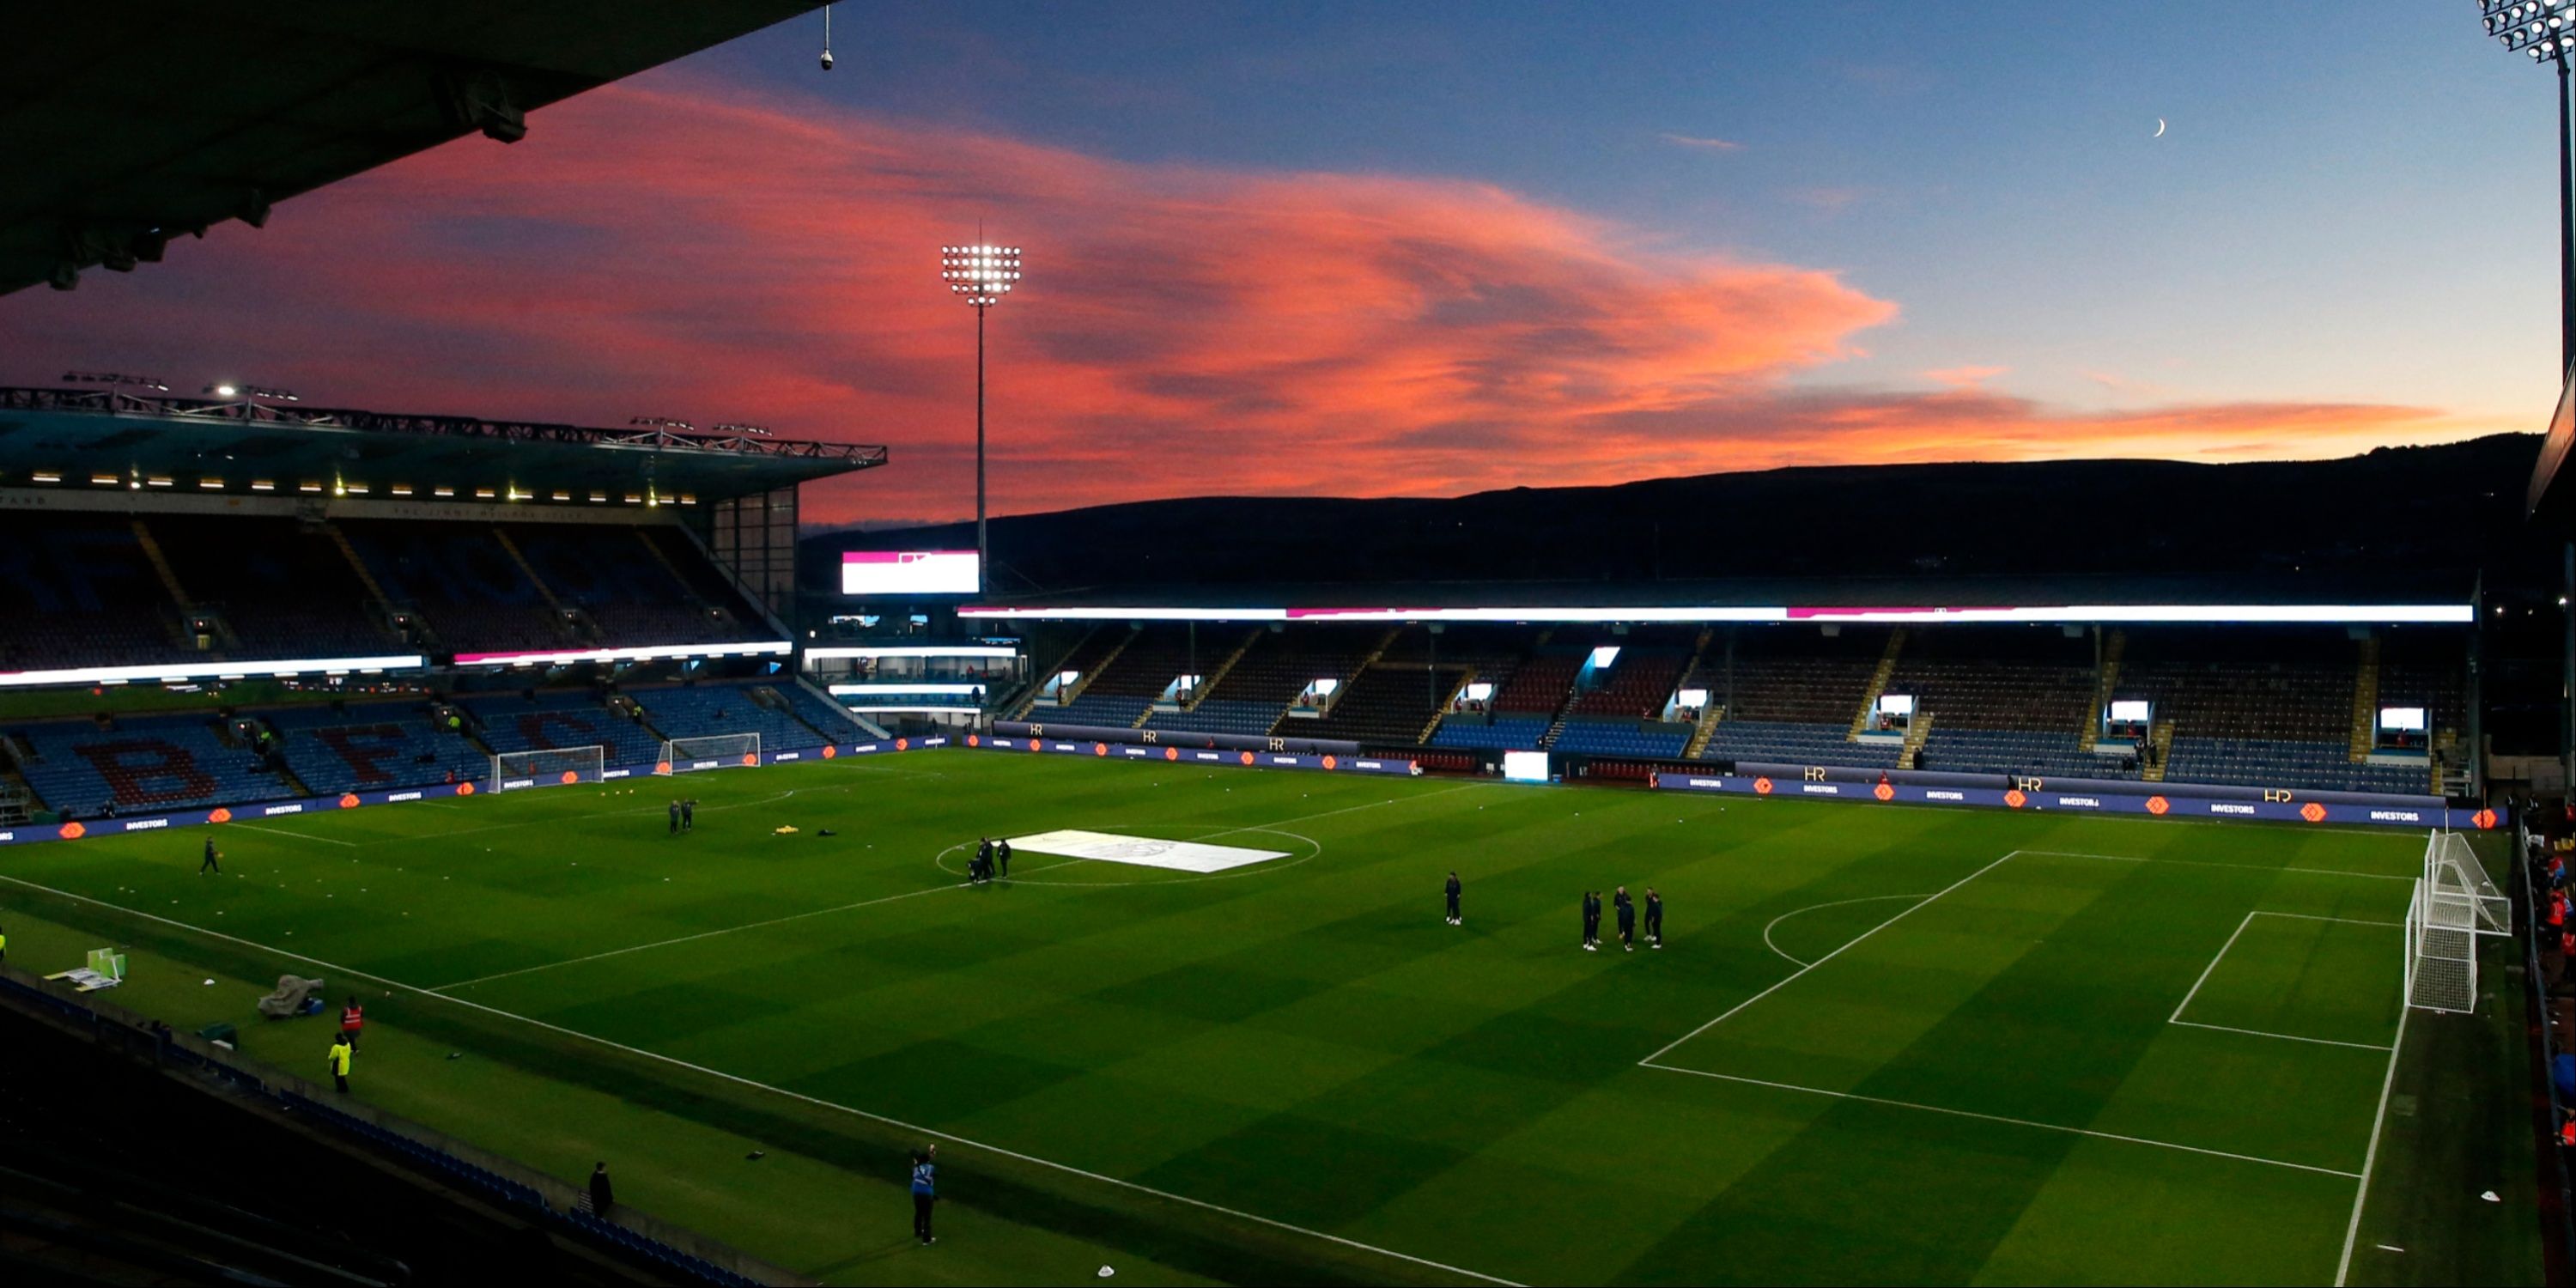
[
  {"x": 2012, "y": 679},
  {"x": 551, "y": 720},
  {"x": 1388, "y": 703},
  {"x": 463, "y": 582},
  {"x": 176, "y": 762},
  {"x": 1267, "y": 678},
  {"x": 1540, "y": 684},
  {"x": 628, "y": 586},
  {"x": 709, "y": 710},
  {"x": 283, "y": 587},
  {"x": 372, "y": 746},
  {"x": 2022, "y": 752},
  {"x": 1804, "y": 744},
  {"x": 1639, "y": 684},
  {"x": 835, "y": 722},
  {"x": 84, "y": 593},
  {"x": 1501, "y": 733},
  {"x": 1792, "y": 676},
  {"x": 2282, "y": 762},
  {"x": 1622, "y": 738}
]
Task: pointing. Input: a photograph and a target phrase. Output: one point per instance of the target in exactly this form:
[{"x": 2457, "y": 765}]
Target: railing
[{"x": 2557, "y": 1201}]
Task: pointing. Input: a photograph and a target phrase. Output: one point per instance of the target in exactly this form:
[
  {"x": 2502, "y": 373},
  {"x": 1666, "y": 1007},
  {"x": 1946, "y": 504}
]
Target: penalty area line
[
  {"x": 2016, "y": 1122},
  {"x": 738, "y": 1080}
]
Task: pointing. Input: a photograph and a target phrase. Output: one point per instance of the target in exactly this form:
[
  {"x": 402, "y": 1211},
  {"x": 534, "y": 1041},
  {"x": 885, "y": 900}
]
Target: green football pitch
[{"x": 1880, "y": 1044}]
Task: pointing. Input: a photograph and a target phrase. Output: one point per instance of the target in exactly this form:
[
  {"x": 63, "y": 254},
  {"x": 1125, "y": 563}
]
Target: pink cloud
[{"x": 662, "y": 247}]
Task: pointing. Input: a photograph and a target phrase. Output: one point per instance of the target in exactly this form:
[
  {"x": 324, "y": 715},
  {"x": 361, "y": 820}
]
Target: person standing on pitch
[
  {"x": 1654, "y": 917},
  {"x": 353, "y": 1018},
  {"x": 1451, "y": 890},
  {"x": 1591, "y": 921},
  {"x": 1627, "y": 921},
  {"x": 689, "y": 814},
  {"x": 983, "y": 860},
  {"x": 1002, "y": 857},
  {"x": 925, "y": 1191},
  {"x": 675, "y": 818},
  {"x": 337, "y": 1059},
  {"x": 211, "y": 863}
]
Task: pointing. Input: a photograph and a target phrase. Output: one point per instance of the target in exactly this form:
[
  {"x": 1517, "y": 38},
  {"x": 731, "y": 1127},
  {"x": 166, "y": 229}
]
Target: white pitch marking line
[
  {"x": 703, "y": 934},
  {"x": 1872, "y": 898},
  {"x": 2310, "y": 916},
  {"x": 2018, "y": 1122},
  {"x": 738, "y": 1080},
  {"x": 2207, "y": 863},
  {"x": 2286, "y": 1037},
  {"x": 301, "y": 836},
  {"x": 2370, "y": 1156},
  {"x": 1793, "y": 975},
  {"x": 2208, "y": 970}
]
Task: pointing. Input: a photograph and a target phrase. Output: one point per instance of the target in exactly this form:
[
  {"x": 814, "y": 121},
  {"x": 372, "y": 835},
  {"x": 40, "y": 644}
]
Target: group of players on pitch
[
  {"x": 1591, "y": 916},
  {"x": 991, "y": 858}
]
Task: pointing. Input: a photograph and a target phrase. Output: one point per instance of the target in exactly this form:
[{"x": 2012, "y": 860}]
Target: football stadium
[{"x": 436, "y": 846}]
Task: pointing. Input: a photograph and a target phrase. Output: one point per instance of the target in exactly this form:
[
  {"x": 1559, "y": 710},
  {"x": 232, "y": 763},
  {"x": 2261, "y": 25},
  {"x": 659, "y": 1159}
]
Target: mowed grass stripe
[{"x": 1239, "y": 1035}]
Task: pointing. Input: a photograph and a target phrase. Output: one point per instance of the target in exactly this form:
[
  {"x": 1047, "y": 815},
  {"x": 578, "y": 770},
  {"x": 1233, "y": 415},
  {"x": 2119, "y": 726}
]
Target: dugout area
[{"x": 1895, "y": 1044}]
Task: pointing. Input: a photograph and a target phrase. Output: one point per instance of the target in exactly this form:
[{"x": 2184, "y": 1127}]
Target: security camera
[{"x": 827, "y": 60}]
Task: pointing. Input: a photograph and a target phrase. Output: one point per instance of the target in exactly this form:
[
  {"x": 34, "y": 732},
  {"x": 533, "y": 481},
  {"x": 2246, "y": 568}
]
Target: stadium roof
[
  {"x": 2063, "y": 600},
  {"x": 133, "y": 123},
  {"x": 108, "y": 438}
]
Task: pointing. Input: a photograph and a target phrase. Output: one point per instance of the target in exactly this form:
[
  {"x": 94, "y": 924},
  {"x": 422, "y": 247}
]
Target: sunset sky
[{"x": 1376, "y": 249}]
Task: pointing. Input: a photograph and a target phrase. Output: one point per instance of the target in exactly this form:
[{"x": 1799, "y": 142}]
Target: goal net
[
  {"x": 512, "y": 770},
  {"x": 2455, "y": 902},
  {"x": 716, "y": 751},
  {"x": 2462, "y": 894}
]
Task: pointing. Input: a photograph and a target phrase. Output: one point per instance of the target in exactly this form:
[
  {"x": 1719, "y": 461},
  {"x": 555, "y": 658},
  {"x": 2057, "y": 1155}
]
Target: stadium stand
[
  {"x": 1806, "y": 744},
  {"x": 707, "y": 710},
  {"x": 471, "y": 589},
  {"x": 1638, "y": 684},
  {"x": 1253, "y": 696},
  {"x": 86, "y": 594},
  {"x": 1497, "y": 733},
  {"x": 1389, "y": 703},
  {"x": 1622, "y": 738},
  {"x": 629, "y": 587},
  {"x": 84, "y": 770},
  {"x": 370, "y": 746},
  {"x": 283, "y": 588},
  {"x": 543, "y": 721}
]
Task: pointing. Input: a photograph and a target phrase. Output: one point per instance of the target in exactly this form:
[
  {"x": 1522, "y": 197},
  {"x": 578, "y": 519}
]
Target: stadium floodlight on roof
[{"x": 981, "y": 275}]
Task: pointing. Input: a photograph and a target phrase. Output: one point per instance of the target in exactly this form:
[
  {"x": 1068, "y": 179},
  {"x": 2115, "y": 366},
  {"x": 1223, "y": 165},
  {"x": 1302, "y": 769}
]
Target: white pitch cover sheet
[{"x": 1145, "y": 851}]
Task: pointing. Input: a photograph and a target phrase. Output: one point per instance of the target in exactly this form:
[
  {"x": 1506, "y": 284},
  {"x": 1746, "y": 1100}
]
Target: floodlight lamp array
[
  {"x": 2543, "y": 29},
  {"x": 982, "y": 275}
]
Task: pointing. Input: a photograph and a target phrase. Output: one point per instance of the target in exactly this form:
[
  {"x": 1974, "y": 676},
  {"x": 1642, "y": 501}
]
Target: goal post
[
  {"x": 548, "y": 767},
  {"x": 2441, "y": 960},
  {"x": 2462, "y": 895},
  {"x": 715, "y": 751}
]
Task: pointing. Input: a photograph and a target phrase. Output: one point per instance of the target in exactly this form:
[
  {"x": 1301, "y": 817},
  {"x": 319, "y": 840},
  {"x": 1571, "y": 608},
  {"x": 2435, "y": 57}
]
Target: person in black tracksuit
[
  {"x": 1654, "y": 917},
  {"x": 981, "y": 868},
  {"x": 1591, "y": 920},
  {"x": 1627, "y": 921},
  {"x": 675, "y": 818},
  {"x": 689, "y": 815},
  {"x": 1451, "y": 890},
  {"x": 210, "y": 864},
  {"x": 925, "y": 1191},
  {"x": 1002, "y": 858}
]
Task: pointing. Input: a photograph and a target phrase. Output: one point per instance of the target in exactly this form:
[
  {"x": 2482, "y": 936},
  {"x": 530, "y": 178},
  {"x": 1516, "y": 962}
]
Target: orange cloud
[{"x": 661, "y": 247}]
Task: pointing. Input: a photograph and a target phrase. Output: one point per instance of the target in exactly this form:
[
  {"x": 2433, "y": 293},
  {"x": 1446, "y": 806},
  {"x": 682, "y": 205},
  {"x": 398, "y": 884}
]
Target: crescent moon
[{"x": 2160, "y": 127}]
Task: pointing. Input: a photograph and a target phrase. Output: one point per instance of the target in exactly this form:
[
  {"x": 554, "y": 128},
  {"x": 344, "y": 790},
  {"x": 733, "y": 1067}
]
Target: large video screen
[
  {"x": 909, "y": 572},
  {"x": 1525, "y": 766}
]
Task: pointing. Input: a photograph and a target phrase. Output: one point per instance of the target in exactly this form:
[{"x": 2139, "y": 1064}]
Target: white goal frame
[
  {"x": 715, "y": 751},
  {"x": 547, "y": 767},
  {"x": 2455, "y": 903}
]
